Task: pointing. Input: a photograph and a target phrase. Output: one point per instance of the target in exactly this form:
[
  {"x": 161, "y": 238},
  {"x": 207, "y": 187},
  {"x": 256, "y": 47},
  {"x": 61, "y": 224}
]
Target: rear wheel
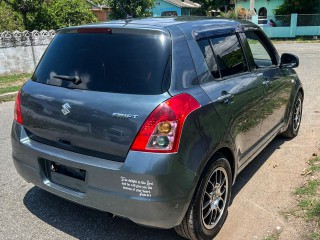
[
  {"x": 295, "y": 119},
  {"x": 208, "y": 210}
]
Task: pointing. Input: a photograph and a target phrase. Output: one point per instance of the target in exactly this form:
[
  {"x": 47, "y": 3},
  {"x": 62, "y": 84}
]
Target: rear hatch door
[{"x": 94, "y": 88}]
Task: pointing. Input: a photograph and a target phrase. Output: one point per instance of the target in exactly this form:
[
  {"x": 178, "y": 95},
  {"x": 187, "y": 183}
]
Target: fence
[
  {"x": 291, "y": 26},
  {"x": 21, "y": 51},
  {"x": 308, "y": 20}
]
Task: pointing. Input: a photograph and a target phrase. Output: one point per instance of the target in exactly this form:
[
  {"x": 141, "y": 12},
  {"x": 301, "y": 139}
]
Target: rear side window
[
  {"x": 229, "y": 55},
  {"x": 223, "y": 55},
  {"x": 207, "y": 52},
  {"x": 119, "y": 63}
]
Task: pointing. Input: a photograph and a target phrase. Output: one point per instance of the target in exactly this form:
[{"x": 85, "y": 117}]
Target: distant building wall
[
  {"x": 269, "y": 5},
  {"x": 162, "y": 6},
  {"x": 101, "y": 14},
  {"x": 20, "y": 52}
]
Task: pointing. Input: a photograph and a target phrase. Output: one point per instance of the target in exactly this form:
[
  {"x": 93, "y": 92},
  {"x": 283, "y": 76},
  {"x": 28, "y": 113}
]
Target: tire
[
  {"x": 295, "y": 117},
  {"x": 203, "y": 219}
]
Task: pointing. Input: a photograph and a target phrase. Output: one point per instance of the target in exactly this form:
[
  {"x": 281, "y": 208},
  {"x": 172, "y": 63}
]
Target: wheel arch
[
  {"x": 301, "y": 91},
  {"x": 287, "y": 116},
  {"x": 184, "y": 228},
  {"x": 228, "y": 153}
]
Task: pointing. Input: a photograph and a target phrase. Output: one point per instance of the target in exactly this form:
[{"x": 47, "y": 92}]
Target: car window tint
[
  {"x": 260, "y": 55},
  {"x": 206, "y": 50},
  {"x": 229, "y": 55},
  {"x": 119, "y": 63}
]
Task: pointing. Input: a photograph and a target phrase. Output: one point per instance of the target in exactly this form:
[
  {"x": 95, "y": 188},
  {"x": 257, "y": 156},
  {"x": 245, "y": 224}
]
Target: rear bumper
[{"x": 149, "y": 189}]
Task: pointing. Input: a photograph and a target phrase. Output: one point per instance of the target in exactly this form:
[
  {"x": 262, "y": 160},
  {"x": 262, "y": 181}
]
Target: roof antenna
[{"x": 128, "y": 17}]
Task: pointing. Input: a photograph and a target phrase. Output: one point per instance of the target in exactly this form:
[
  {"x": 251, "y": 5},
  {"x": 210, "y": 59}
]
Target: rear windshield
[{"x": 120, "y": 63}]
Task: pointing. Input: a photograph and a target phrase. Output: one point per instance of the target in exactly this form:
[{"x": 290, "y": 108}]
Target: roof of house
[{"x": 184, "y": 3}]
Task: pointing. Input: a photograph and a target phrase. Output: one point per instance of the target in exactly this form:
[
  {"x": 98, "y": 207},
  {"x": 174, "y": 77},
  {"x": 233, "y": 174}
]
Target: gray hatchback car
[{"x": 153, "y": 119}]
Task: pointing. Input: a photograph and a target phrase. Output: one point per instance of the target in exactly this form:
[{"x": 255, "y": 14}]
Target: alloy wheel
[
  {"x": 297, "y": 114},
  {"x": 214, "y": 198}
]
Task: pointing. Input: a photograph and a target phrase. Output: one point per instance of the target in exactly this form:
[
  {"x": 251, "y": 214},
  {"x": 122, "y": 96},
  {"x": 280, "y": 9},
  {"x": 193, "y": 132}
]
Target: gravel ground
[{"x": 262, "y": 190}]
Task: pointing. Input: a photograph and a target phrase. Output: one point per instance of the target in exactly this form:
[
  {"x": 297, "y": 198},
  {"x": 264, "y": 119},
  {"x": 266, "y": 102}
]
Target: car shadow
[
  {"x": 85, "y": 223},
  {"x": 247, "y": 173}
]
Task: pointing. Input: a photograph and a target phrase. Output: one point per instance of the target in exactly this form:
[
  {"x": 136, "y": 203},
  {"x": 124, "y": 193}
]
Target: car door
[
  {"x": 235, "y": 92},
  {"x": 277, "y": 85}
]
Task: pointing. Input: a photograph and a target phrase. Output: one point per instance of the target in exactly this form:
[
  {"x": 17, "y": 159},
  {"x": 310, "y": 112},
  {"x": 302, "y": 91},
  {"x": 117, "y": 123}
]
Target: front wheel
[
  {"x": 208, "y": 210},
  {"x": 295, "y": 117}
]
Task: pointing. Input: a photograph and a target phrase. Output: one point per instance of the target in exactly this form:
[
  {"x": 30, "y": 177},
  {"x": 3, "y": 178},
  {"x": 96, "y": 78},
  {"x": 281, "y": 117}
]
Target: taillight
[
  {"x": 161, "y": 131},
  {"x": 17, "y": 110}
]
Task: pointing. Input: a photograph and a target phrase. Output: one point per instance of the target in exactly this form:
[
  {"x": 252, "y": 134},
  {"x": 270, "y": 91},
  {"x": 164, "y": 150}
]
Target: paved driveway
[{"x": 261, "y": 191}]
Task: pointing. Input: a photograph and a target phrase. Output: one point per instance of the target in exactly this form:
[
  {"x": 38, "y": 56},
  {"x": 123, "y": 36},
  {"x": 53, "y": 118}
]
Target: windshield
[{"x": 119, "y": 63}]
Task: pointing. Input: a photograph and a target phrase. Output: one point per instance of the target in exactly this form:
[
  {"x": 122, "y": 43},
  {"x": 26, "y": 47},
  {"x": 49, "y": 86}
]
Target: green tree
[
  {"x": 121, "y": 8},
  {"x": 298, "y": 6},
  {"x": 56, "y": 14},
  {"x": 24, "y": 7},
  {"x": 101, "y": 2},
  {"x": 10, "y": 20},
  {"x": 208, "y": 5}
]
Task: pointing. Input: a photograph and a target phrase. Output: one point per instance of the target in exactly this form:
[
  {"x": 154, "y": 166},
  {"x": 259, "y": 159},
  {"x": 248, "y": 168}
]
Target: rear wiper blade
[{"x": 75, "y": 79}]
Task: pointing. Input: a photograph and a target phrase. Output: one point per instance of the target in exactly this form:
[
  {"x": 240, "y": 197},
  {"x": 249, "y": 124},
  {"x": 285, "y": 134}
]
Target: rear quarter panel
[{"x": 203, "y": 132}]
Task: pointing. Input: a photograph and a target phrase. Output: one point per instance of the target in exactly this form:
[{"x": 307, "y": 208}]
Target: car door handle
[{"x": 225, "y": 98}]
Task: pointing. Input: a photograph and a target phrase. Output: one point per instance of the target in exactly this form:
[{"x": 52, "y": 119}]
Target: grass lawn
[
  {"x": 309, "y": 198},
  {"x": 12, "y": 83}
]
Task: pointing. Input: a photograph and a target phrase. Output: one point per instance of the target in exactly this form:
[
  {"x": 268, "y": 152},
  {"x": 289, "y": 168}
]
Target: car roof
[{"x": 166, "y": 22}]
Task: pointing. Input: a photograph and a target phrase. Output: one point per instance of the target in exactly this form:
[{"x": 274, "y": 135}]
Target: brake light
[
  {"x": 17, "y": 109},
  {"x": 95, "y": 30},
  {"x": 161, "y": 131}
]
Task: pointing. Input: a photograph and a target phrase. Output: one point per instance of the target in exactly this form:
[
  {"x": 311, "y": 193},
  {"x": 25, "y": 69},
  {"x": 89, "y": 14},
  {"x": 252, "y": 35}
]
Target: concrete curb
[{"x": 7, "y": 95}]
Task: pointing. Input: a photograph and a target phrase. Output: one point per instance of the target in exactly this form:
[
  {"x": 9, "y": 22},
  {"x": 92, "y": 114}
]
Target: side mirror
[{"x": 289, "y": 60}]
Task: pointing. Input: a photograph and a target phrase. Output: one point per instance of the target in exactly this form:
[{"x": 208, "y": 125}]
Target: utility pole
[{"x": 252, "y": 12}]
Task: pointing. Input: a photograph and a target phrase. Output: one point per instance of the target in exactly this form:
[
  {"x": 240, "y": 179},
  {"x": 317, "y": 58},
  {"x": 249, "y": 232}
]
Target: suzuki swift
[{"x": 153, "y": 119}]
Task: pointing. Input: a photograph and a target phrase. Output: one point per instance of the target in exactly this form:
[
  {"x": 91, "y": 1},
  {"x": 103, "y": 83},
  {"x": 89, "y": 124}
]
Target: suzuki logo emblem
[{"x": 65, "y": 108}]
